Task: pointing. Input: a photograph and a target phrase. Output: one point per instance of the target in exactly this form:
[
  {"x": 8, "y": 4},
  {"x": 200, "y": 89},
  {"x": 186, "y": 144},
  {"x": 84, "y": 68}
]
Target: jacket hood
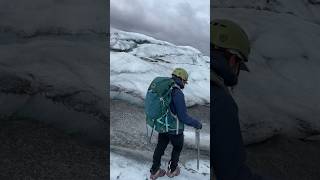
[
  {"x": 219, "y": 64},
  {"x": 178, "y": 81}
]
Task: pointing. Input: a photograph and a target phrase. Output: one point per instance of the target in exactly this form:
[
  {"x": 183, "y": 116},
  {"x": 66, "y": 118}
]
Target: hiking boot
[
  {"x": 159, "y": 173},
  {"x": 176, "y": 172}
]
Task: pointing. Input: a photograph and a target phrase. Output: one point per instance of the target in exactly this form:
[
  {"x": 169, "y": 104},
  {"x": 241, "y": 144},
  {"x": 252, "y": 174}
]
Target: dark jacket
[
  {"x": 179, "y": 108},
  {"x": 228, "y": 153}
]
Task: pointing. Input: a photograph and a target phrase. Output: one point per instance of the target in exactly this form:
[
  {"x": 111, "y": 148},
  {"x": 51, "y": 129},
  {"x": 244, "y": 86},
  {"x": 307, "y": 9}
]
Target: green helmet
[
  {"x": 181, "y": 73},
  {"x": 229, "y": 35}
]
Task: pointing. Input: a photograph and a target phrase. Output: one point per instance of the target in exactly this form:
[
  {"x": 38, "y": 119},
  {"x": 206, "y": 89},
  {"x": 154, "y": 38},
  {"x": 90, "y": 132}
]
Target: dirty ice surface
[{"x": 123, "y": 168}]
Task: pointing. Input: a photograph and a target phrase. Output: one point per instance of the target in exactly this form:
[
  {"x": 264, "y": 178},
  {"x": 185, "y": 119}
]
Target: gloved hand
[{"x": 199, "y": 125}]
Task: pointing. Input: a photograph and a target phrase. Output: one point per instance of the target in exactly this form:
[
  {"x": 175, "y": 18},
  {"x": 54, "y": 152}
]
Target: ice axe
[{"x": 197, "y": 138}]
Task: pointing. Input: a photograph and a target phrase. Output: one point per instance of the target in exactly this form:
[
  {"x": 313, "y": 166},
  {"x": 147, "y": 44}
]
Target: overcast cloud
[{"x": 182, "y": 22}]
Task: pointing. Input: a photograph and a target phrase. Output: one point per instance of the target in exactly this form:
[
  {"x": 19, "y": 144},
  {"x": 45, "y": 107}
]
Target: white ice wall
[
  {"x": 53, "y": 64},
  {"x": 281, "y": 94},
  {"x": 69, "y": 16}
]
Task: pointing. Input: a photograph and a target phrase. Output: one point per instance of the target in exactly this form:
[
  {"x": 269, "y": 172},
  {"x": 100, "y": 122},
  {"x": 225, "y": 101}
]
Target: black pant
[{"x": 163, "y": 141}]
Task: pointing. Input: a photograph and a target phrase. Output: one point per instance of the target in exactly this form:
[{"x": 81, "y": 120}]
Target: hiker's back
[{"x": 157, "y": 106}]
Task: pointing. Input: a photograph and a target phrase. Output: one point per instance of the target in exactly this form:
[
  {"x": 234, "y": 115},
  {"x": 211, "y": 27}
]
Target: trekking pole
[{"x": 197, "y": 138}]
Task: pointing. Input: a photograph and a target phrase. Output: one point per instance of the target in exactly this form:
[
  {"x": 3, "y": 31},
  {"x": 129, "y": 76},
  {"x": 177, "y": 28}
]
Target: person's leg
[
  {"x": 163, "y": 141},
  {"x": 177, "y": 143}
]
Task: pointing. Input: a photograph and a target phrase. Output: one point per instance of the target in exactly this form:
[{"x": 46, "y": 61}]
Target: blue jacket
[
  {"x": 228, "y": 154},
  {"x": 179, "y": 108}
]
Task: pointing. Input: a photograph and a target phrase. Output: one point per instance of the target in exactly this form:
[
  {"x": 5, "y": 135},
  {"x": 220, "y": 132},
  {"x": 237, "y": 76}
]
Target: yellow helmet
[
  {"x": 181, "y": 73},
  {"x": 229, "y": 35}
]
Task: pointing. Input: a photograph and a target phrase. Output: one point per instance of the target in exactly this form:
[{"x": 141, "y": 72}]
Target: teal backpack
[{"x": 157, "y": 106}]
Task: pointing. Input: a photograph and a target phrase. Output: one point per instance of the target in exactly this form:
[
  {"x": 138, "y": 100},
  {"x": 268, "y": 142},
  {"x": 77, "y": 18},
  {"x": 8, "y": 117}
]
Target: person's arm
[{"x": 181, "y": 110}]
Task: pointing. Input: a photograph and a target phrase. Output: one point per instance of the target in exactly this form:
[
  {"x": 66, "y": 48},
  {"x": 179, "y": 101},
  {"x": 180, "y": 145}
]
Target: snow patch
[
  {"x": 189, "y": 138},
  {"x": 124, "y": 168}
]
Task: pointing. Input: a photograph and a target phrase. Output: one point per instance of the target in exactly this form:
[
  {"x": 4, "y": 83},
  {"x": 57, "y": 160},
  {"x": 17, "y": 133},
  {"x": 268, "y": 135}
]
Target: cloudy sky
[{"x": 182, "y": 22}]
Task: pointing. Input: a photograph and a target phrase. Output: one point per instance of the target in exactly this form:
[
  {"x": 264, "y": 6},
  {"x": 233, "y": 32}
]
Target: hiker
[
  {"x": 229, "y": 50},
  {"x": 176, "y": 116}
]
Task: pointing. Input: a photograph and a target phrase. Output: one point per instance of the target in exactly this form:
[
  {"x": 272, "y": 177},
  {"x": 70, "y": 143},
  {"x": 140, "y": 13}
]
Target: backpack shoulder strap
[{"x": 176, "y": 86}]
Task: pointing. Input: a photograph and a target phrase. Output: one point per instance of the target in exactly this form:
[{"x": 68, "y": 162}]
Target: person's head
[
  {"x": 181, "y": 74},
  {"x": 230, "y": 39}
]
